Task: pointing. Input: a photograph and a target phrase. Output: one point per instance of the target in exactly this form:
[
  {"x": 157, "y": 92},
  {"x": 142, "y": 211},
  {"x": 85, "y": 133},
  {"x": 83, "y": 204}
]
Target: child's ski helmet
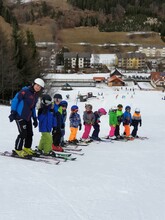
[
  {"x": 88, "y": 107},
  {"x": 127, "y": 107},
  {"x": 46, "y": 99},
  {"x": 114, "y": 108},
  {"x": 102, "y": 111},
  {"x": 137, "y": 110},
  {"x": 57, "y": 96},
  {"x": 120, "y": 106},
  {"x": 64, "y": 103},
  {"x": 74, "y": 107},
  {"x": 39, "y": 82}
]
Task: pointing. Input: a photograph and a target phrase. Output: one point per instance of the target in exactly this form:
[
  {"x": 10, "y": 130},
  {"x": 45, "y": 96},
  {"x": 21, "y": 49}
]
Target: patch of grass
[
  {"x": 59, "y": 4},
  {"x": 5, "y": 27},
  {"x": 44, "y": 29},
  {"x": 93, "y": 38},
  {"x": 92, "y": 35}
]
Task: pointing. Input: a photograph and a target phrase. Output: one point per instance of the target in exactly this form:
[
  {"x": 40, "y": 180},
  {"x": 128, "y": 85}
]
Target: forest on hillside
[
  {"x": 19, "y": 60},
  {"x": 127, "y": 15},
  {"x": 108, "y": 6}
]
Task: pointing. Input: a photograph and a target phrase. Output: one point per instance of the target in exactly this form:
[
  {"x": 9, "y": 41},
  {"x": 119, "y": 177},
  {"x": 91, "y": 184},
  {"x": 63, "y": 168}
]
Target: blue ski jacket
[
  {"x": 75, "y": 120},
  {"x": 57, "y": 113},
  {"x": 46, "y": 119},
  {"x": 127, "y": 118},
  {"x": 24, "y": 103}
]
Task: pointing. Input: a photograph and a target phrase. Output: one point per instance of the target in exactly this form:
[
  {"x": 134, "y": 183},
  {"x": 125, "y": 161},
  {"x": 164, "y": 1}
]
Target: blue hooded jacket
[
  {"x": 74, "y": 119},
  {"x": 127, "y": 118},
  {"x": 24, "y": 103},
  {"x": 46, "y": 119}
]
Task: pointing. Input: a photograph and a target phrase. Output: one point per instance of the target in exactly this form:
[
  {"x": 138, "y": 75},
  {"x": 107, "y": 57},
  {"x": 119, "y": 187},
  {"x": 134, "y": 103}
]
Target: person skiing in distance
[
  {"x": 89, "y": 119},
  {"x": 127, "y": 120},
  {"x": 23, "y": 111},
  {"x": 119, "y": 114},
  {"x": 75, "y": 124},
  {"x": 112, "y": 122},
  {"x": 46, "y": 124},
  {"x": 96, "y": 125},
  {"x": 57, "y": 113},
  {"x": 136, "y": 121}
]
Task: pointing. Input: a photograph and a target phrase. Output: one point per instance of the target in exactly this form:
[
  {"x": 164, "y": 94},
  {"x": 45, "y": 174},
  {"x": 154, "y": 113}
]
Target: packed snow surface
[{"x": 112, "y": 181}]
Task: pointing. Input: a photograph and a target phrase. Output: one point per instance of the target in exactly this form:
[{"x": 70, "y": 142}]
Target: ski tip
[{"x": 73, "y": 158}]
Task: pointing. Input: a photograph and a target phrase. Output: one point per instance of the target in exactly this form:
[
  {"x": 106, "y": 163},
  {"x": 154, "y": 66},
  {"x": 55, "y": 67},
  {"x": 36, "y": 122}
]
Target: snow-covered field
[{"x": 112, "y": 181}]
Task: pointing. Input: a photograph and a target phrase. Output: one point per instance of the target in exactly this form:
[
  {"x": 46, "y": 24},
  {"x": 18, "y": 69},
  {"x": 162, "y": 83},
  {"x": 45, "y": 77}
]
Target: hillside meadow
[
  {"x": 85, "y": 39},
  {"x": 91, "y": 39}
]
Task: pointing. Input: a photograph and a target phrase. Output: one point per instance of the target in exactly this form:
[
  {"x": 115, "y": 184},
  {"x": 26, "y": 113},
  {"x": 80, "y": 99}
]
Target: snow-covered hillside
[{"x": 112, "y": 181}]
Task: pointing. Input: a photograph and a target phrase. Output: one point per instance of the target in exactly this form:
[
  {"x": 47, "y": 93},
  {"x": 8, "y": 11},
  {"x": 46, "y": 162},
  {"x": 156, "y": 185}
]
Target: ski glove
[
  {"x": 12, "y": 116},
  {"x": 62, "y": 126},
  {"x": 35, "y": 122},
  {"x": 80, "y": 126},
  {"x": 56, "y": 130}
]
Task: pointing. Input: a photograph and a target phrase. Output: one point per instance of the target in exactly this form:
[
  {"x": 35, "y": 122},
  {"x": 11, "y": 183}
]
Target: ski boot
[
  {"x": 21, "y": 153},
  {"x": 57, "y": 148},
  {"x": 31, "y": 152}
]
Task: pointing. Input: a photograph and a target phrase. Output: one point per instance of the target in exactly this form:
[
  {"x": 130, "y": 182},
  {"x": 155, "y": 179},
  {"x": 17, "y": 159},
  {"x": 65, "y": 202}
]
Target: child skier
[
  {"x": 136, "y": 120},
  {"x": 96, "y": 125},
  {"x": 75, "y": 123},
  {"x": 46, "y": 123},
  {"x": 57, "y": 113},
  {"x": 119, "y": 114},
  {"x": 22, "y": 111},
  {"x": 89, "y": 119},
  {"x": 64, "y": 105},
  {"x": 127, "y": 120},
  {"x": 112, "y": 122}
]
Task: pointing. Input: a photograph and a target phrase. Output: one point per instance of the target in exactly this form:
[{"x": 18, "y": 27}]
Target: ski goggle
[
  {"x": 75, "y": 110},
  {"x": 57, "y": 100},
  {"x": 46, "y": 102}
]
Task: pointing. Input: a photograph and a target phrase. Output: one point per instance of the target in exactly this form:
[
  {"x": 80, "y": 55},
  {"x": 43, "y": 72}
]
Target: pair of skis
[
  {"x": 125, "y": 139},
  {"x": 30, "y": 158},
  {"x": 60, "y": 157}
]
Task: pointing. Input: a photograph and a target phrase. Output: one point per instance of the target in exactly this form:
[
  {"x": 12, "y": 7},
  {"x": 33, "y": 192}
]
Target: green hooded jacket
[
  {"x": 119, "y": 114},
  {"x": 112, "y": 118}
]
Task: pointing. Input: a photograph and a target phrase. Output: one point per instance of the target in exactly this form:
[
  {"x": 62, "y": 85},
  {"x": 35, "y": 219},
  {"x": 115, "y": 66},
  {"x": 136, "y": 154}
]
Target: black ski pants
[
  {"x": 96, "y": 131},
  {"x": 117, "y": 130},
  {"x": 57, "y": 137},
  {"x": 134, "y": 131},
  {"x": 25, "y": 134}
]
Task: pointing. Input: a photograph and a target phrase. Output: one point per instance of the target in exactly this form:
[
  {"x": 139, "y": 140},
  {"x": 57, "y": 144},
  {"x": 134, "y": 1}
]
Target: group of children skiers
[
  {"x": 52, "y": 116},
  {"x": 116, "y": 117}
]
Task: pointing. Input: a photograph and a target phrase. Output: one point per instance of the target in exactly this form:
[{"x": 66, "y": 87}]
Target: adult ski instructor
[{"x": 23, "y": 111}]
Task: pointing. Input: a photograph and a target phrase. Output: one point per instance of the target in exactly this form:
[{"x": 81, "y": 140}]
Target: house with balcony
[
  {"x": 131, "y": 61},
  {"x": 74, "y": 60},
  {"x": 115, "y": 81},
  {"x": 153, "y": 51}
]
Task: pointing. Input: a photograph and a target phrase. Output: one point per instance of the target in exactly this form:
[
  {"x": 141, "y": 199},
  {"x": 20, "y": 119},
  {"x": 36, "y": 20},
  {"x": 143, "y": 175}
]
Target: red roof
[
  {"x": 99, "y": 77},
  {"x": 157, "y": 76},
  {"x": 113, "y": 78}
]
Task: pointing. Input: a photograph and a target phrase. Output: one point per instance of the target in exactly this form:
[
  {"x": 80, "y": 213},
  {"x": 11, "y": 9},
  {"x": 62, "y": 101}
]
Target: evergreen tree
[
  {"x": 44, "y": 8},
  {"x": 1, "y": 7},
  {"x": 8, "y": 70}
]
